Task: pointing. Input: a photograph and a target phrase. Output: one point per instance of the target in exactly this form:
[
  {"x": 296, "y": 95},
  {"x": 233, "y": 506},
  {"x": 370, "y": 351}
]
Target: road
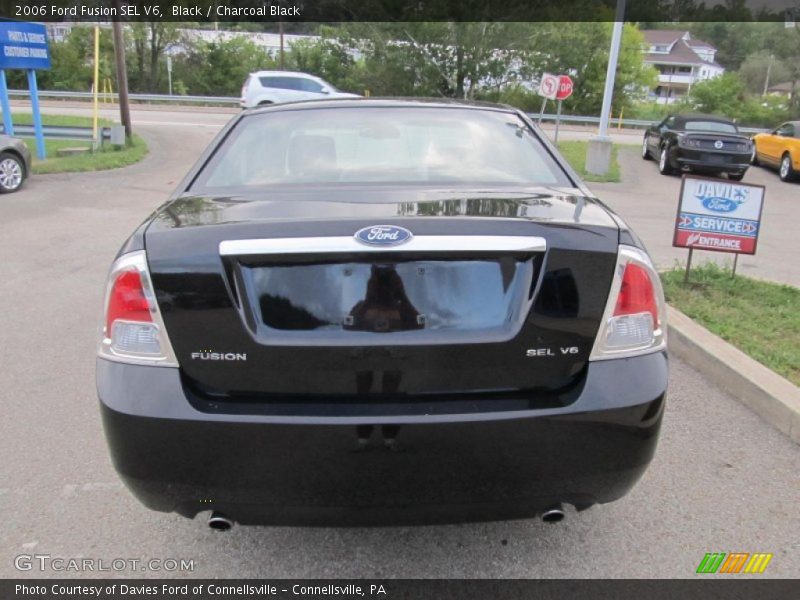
[{"x": 722, "y": 479}]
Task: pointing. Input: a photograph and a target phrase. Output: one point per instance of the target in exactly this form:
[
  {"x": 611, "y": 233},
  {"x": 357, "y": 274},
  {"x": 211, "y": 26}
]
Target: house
[
  {"x": 680, "y": 61},
  {"x": 785, "y": 89}
]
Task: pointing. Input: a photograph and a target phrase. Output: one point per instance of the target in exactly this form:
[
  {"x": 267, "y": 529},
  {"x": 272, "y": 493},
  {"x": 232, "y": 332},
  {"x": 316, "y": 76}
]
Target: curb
[{"x": 773, "y": 398}]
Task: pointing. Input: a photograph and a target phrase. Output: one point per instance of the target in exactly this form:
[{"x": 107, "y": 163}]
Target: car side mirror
[{"x": 324, "y": 91}]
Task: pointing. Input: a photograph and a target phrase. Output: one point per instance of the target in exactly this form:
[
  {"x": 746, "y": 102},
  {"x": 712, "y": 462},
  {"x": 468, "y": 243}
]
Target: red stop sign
[{"x": 564, "y": 87}]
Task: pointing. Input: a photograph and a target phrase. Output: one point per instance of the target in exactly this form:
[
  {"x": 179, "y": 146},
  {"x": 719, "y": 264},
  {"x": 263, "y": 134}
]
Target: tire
[
  {"x": 663, "y": 162},
  {"x": 645, "y": 151},
  {"x": 12, "y": 173},
  {"x": 786, "y": 172},
  {"x": 736, "y": 176}
]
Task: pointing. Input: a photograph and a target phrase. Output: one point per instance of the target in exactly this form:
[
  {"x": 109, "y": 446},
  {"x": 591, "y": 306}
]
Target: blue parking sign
[{"x": 23, "y": 46}]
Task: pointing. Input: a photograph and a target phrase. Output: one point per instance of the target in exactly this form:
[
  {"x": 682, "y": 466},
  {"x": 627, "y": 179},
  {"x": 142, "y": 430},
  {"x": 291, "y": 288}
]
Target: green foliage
[
  {"x": 754, "y": 71},
  {"x": 220, "y": 68},
  {"x": 760, "y": 318},
  {"x": 146, "y": 60},
  {"x": 326, "y": 58},
  {"x": 581, "y": 49},
  {"x": 105, "y": 158},
  {"x": 767, "y": 112},
  {"x": 575, "y": 154},
  {"x": 724, "y": 95}
]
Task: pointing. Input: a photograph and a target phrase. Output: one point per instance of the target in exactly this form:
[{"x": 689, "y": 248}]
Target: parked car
[
  {"x": 274, "y": 87},
  {"x": 381, "y": 311},
  {"x": 698, "y": 143},
  {"x": 779, "y": 149},
  {"x": 15, "y": 163}
]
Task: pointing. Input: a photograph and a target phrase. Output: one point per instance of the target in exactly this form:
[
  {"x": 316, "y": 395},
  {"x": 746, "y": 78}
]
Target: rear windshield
[
  {"x": 382, "y": 146},
  {"x": 715, "y": 126}
]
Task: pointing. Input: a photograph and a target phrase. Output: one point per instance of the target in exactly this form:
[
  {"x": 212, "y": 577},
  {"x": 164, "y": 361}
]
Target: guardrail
[
  {"x": 60, "y": 132},
  {"x": 627, "y": 123},
  {"x": 159, "y": 98},
  {"x": 231, "y": 101}
]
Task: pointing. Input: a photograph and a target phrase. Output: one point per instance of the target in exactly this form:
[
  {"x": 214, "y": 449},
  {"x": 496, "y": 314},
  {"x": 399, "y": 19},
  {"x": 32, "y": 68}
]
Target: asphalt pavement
[{"x": 722, "y": 479}]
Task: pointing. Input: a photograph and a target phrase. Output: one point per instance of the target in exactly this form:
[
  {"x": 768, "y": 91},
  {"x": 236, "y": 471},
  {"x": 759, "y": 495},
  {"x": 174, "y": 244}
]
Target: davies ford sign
[{"x": 718, "y": 214}]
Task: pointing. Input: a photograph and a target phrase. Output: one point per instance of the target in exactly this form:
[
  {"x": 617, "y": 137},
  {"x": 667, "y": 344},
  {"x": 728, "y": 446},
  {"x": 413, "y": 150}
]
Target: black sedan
[
  {"x": 698, "y": 143},
  {"x": 381, "y": 311}
]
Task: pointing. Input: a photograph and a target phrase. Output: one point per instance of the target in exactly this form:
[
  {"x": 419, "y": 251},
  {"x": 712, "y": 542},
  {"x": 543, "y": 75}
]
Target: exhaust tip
[
  {"x": 553, "y": 515},
  {"x": 219, "y": 522}
]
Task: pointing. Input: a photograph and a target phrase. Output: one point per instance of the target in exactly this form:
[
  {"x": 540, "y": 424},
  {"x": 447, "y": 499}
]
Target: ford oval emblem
[
  {"x": 721, "y": 205},
  {"x": 383, "y": 235},
  {"x": 718, "y": 144}
]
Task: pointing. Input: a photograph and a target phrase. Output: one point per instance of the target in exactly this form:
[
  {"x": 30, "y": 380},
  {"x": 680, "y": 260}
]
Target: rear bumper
[
  {"x": 445, "y": 468},
  {"x": 693, "y": 159}
]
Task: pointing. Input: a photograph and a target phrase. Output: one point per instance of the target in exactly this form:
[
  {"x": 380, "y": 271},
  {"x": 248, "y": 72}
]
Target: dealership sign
[
  {"x": 23, "y": 46},
  {"x": 718, "y": 214}
]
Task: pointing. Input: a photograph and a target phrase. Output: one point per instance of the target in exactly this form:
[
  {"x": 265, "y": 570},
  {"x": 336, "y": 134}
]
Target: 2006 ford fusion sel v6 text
[{"x": 371, "y": 311}]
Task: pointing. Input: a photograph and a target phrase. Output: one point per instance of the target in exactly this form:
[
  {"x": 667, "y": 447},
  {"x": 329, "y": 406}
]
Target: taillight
[
  {"x": 636, "y": 294},
  {"x": 133, "y": 330},
  {"x": 633, "y": 322},
  {"x": 127, "y": 300}
]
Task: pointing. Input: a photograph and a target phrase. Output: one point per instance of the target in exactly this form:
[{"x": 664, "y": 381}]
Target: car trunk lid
[{"x": 498, "y": 293}]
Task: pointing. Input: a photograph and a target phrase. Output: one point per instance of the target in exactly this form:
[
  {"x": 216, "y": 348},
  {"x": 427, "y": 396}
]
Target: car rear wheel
[
  {"x": 736, "y": 176},
  {"x": 12, "y": 173},
  {"x": 786, "y": 172},
  {"x": 645, "y": 151},
  {"x": 663, "y": 162}
]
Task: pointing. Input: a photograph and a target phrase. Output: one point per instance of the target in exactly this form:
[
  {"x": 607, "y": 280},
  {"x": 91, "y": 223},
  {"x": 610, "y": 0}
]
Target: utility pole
[
  {"x": 769, "y": 70},
  {"x": 598, "y": 154},
  {"x": 122, "y": 74},
  {"x": 280, "y": 29}
]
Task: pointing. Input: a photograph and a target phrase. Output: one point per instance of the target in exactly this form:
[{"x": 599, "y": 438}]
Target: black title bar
[{"x": 210, "y": 11}]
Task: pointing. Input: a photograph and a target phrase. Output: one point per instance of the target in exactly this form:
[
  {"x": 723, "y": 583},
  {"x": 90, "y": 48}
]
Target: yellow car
[{"x": 780, "y": 148}]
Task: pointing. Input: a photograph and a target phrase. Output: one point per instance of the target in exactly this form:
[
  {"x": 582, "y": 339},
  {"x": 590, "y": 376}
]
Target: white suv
[{"x": 273, "y": 87}]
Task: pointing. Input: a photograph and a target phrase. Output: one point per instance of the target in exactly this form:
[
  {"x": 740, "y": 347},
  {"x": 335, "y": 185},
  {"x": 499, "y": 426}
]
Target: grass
[
  {"x": 106, "y": 157},
  {"x": 575, "y": 153},
  {"x": 760, "y": 318}
]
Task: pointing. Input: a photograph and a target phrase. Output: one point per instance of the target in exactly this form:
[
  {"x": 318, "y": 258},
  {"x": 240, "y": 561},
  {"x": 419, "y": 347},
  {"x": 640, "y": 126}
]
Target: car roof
[
  {"x": 382, "y": 102},
  {"x": 683, "y": 117},
  {"x": 283, "y": 74}
]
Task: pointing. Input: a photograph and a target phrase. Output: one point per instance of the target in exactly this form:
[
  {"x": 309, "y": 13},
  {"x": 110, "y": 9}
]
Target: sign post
[
  {"x": 23, "y": 46},
  {"x": 169, "y": 73},
  {"x": 564, "y": 91},
  {"x": 8, "y": 125},
  {"x": 718, "y": 215}
]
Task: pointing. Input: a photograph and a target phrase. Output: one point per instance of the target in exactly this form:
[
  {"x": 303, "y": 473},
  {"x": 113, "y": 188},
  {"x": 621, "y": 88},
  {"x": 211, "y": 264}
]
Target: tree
[
  {"x": 724, "y": 95},
  {"x": 581, "y": 50},
  {"x": 453, "y": 59},
  {"x": 148, "y": 42},
  {"x": 326, "y": 58},
  {"x": 757, "y": 67},
  {"x": 219, "y": 68}
]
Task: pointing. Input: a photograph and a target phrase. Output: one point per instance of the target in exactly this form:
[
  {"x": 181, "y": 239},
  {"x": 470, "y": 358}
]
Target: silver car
[
  {"x": 15, "y": 163},
  {"x": 275, "y": 87}
]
